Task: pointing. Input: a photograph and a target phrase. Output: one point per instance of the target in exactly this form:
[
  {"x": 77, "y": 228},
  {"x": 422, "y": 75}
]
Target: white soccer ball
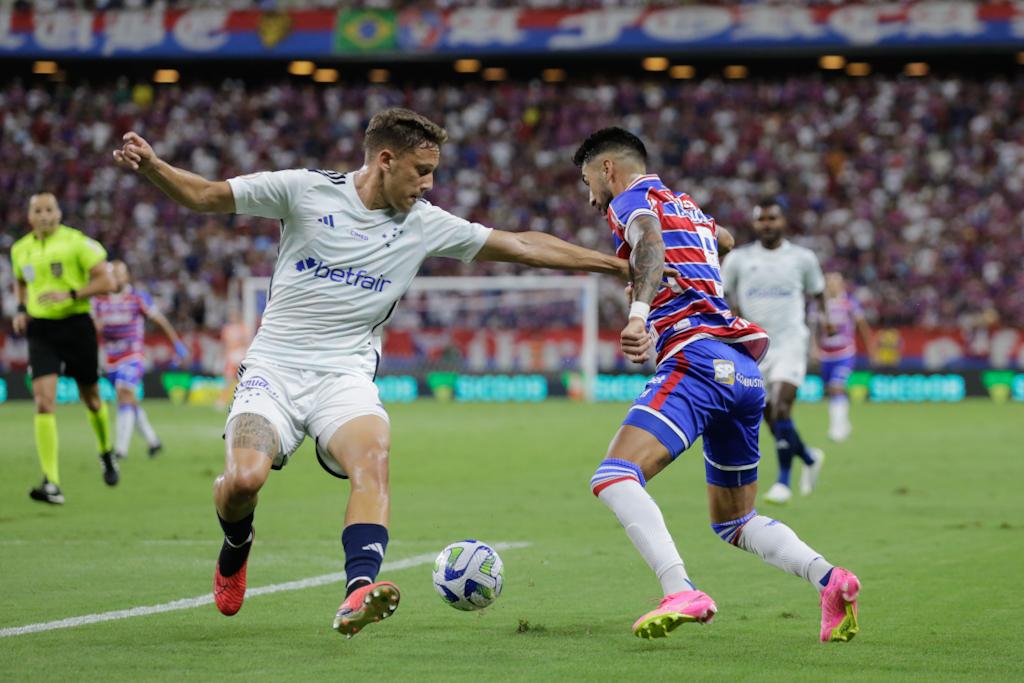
[{"x": 468, "y": 575}]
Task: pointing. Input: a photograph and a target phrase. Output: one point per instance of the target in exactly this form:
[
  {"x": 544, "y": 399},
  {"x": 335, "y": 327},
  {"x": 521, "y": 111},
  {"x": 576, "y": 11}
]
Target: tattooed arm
[{"x": 646, "y": 265}]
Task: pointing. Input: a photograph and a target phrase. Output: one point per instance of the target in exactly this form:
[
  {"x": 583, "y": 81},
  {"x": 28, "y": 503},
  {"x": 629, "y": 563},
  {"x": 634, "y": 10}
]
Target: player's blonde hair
[{"x": 400, "y": 130}]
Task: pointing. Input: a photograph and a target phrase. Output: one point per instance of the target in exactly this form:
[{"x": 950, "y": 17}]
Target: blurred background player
[
  {"x": 234, "y": 338},
  {"x": 707, "y": 384},
  {"x": 768, "y": 283},
  {"x": 120, "y": 317},
  {"x": 56, "y": 270},
  {"x": 838, "y": 351}
]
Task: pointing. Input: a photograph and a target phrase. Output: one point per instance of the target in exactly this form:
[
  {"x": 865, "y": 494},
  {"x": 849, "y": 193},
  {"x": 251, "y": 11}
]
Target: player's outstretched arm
[
  {"x": 186, "y": 188},
  {"x": 867, "y": 337},
  {"x": 539, "y": 250},
  {"x": 168, "y": 329}
]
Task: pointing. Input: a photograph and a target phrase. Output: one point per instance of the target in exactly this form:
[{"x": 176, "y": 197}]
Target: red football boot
[
  {"x": 366, "y": 605},
  {"x": 229, "y": 591}
]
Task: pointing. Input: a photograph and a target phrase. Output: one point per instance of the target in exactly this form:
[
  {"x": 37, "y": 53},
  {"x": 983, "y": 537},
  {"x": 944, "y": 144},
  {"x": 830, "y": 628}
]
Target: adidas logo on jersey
[
  {"x": 327, "y": 220},
  {"x": 341, "y": 275}
]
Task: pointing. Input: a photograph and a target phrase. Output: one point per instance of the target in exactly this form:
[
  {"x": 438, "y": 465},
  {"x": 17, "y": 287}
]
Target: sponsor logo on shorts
[
  {"x": 725, "y": 371},
  {"x": 256, "y": 383}
]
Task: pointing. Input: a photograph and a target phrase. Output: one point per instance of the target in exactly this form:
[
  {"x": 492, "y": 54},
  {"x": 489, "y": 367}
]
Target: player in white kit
[
  {"x": 351, "y": 244},
  {"x": 768, "y": 283}
]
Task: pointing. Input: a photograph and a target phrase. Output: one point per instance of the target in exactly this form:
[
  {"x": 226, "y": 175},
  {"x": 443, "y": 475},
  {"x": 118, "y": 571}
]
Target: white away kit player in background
[
  {"x": 351, "y": 244},
  {"x": 768, "y": 283}
]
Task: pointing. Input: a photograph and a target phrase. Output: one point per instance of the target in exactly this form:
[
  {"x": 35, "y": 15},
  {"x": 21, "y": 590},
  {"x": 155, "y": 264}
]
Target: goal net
[{"x": 486, "y": 338}]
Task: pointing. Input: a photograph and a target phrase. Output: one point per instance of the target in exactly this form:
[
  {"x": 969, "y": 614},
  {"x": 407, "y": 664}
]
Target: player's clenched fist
[
  {"x": 636, "y": 340},
  {"x": 135, "y": 153}
]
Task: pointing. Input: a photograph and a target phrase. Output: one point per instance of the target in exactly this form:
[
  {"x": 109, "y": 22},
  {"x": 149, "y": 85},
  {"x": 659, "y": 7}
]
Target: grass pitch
[{"x": 923, "y": 502}]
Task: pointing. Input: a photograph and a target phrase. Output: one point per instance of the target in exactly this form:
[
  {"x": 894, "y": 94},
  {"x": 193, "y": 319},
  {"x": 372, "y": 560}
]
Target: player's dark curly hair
[
  {"x": 400, "y": 130},
  {"x": 607, "y": 139}
]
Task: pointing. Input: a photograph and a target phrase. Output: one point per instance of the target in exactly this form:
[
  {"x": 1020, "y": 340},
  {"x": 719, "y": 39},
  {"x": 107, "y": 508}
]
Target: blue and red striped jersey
[
  {"x": 692, "y": 306},
  {"x": 843, "y": 312},
  {"x": 121, "y": 317}
]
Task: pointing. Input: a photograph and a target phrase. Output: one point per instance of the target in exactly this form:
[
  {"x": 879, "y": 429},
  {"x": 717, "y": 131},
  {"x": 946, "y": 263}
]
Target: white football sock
[
  {"x": 779, "y": 546},
  {"x": 838, "y": 413},
  {"x": 142, "y": 422},
  {"x": 641, "y": 517},
  {"x": 125, "y": 421}
]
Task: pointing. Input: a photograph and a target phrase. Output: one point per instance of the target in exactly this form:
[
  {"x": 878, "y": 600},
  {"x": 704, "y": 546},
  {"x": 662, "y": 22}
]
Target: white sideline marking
[{"x": 188, "y": 603}]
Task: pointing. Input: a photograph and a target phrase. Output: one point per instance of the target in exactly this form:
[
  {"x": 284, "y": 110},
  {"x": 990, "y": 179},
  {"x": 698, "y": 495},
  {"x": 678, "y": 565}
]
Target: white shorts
[
  {"x": 785, "y": 363},
  {"x": 300, "y": 402}
]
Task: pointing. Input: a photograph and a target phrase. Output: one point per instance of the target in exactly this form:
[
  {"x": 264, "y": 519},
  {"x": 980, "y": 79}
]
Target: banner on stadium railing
[
  {"x": 524, "y": 350},
  {"x": 528, "y": 351},
  {"x": 214, "y": 32},
  {"x": 184, "y": 388}
]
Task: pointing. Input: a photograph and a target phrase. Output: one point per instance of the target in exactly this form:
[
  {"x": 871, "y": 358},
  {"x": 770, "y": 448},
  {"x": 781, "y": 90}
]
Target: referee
[{"x": 56, "y": 270}]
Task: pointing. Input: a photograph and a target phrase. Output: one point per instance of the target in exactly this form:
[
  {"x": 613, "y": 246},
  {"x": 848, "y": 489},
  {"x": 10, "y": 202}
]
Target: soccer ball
[{"x": 468, "y": 575}]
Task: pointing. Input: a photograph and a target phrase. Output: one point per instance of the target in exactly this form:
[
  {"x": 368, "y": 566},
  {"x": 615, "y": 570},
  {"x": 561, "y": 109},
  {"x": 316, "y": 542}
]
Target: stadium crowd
[
  {"x": 437, "y": 5},
  {"x": 913, "y": 188}
]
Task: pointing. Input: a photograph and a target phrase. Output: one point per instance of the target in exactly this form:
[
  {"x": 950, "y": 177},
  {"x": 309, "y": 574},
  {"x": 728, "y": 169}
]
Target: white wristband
[{"x": 639, "y": 310}]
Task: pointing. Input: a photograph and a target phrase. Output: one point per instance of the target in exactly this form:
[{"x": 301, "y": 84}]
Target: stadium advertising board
[
  {"x": 213, "y": 32},
  {"x": 878, "y": 387}
]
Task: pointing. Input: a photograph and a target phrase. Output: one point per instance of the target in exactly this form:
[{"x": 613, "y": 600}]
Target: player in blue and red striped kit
[
  {"x": 838, "y": 351},
  {"x": 120, "y": 318},
  {"x": 707, "y": 384}
]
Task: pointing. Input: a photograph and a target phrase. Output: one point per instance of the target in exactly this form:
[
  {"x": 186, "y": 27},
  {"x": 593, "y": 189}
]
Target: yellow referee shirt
[{"x": 58, "y": 263}]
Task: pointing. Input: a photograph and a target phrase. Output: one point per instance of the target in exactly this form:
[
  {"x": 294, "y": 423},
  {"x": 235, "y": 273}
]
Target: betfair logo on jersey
[{"x": 342, "y": 275}]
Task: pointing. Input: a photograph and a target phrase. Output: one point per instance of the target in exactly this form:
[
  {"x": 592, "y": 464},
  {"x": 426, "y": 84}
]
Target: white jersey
[
  {"x": 769, "y": 286},
  {"x": 341, "y": 268}
]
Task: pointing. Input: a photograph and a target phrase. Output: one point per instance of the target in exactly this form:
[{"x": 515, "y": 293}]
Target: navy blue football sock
[
  {"x": 785, "y": 453},
  {"x": 365, "y": 545},
  {"x": 785, "y": 430}
]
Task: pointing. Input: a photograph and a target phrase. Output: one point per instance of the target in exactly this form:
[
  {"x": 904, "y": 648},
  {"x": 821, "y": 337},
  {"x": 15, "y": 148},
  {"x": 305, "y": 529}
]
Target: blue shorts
[
  {"x": 126, "y": 373},
  {"x": 837, "y": 371},
  {"x": 708, "y": 389}
]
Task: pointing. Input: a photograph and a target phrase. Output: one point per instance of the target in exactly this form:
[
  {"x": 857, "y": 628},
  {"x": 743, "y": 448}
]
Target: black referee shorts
[{"x": 67, "y": 346}]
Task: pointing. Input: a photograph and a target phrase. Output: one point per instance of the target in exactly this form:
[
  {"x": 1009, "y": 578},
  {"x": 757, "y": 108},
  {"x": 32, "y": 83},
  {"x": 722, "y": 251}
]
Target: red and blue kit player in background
[
  {"x": 120, "y": 318},
  {"x": 838, "y": 352},
  {"x": 707, "y": 384}
]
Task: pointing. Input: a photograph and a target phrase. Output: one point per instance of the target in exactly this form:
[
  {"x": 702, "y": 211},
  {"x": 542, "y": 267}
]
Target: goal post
[{"x": 511, "y": 325}]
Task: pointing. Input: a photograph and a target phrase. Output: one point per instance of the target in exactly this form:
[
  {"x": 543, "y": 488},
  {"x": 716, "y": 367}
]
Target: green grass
[{"x": 923, "y": 502}]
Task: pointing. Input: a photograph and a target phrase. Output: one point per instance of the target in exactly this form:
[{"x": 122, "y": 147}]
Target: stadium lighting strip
[
  {"x": 467, "y": 66},
  {"x": 45, "y": 68},
  {"x": 166, "y": 76},
  {"x": 832, "y": 62},
  {"x": 199, "y": 601}
]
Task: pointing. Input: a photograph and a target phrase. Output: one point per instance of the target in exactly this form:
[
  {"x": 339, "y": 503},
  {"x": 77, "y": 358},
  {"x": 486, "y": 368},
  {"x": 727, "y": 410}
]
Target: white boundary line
[{"x": 189, "y": 603}]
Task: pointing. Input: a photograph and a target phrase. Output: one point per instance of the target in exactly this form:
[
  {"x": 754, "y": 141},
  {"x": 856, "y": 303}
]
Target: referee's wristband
[
  {"x": 639, "y": 309},
  {"x": 73, "y": 293},
  {"x": 22, "y": 308}
]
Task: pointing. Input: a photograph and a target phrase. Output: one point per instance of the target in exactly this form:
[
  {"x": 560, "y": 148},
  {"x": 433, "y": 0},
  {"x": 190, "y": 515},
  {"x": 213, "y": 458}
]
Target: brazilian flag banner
[{"x": 368, "y": 30}]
